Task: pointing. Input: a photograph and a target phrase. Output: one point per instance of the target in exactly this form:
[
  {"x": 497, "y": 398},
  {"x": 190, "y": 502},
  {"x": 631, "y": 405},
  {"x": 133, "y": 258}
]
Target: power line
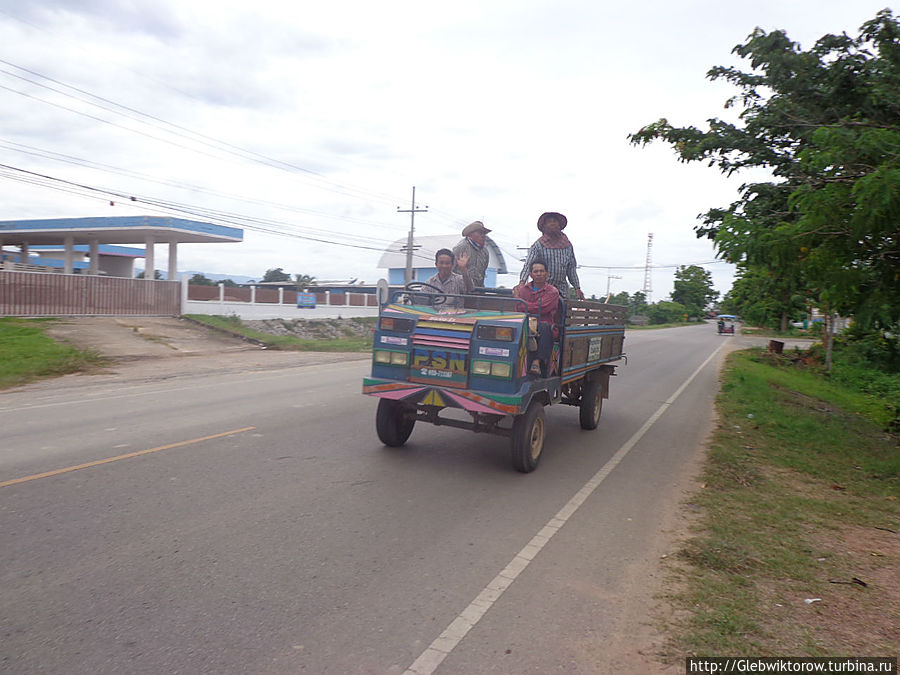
[
  {"x": 248, "y": 222},
  {"x": 106, "y": 168},
  {"x": 193, "y": 136}
]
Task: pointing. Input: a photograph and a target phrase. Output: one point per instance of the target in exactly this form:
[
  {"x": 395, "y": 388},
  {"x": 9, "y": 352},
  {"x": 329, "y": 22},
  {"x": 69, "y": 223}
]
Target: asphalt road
[{"x": 251, "y": 522}]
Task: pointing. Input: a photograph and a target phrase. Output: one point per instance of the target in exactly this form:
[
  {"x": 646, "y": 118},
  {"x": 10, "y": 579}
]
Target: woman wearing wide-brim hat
[{"x": 554, "y": 247}]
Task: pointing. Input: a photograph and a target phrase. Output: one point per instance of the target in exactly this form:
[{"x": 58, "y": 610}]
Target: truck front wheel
[
  {"x": 591, "y": 404},
  {"x": 393, "y": 423},
  {"x": 528, "y": 438}
]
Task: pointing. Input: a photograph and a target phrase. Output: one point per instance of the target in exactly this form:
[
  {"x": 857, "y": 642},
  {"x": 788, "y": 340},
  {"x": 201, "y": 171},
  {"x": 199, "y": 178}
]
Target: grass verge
[
  {"x": 348, "y": 342},
  {"x": 27, "y": 354},
  {"x": 796, "y": 549}
]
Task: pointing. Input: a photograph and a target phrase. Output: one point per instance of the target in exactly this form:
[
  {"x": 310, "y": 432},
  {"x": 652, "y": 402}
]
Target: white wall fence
[{"x": 252, "y": 310}]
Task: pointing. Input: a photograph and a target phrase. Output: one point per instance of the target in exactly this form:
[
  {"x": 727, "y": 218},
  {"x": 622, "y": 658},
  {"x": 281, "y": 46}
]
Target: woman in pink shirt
[{"x": 543, "y": 302}]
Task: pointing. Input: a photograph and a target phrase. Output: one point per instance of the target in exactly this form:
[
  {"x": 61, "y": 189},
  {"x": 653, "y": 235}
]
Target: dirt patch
[
  {"x": 860, "y": 608},
  {"x": 853, "y": 605},
  {"x": 160, "y": 348},
  {"x": 133, "y": 338}
]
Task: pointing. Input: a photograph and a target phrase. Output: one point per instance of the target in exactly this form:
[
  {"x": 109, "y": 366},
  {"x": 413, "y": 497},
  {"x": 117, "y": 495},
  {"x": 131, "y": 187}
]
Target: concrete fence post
[{"x": 221, "y": 294}]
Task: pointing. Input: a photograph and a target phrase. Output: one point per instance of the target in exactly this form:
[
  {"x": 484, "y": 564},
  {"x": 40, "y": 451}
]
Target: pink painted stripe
[
  {"x": 441, "y": 342},
  {"x": 470, "y": 405},
  {"x": 398, "y": 394}
]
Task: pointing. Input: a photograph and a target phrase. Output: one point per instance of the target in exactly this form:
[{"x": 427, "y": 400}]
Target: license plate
[{"x": 446, "y": 365}]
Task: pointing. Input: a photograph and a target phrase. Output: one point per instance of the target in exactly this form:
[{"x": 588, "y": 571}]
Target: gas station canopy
[{"x": 146, "y": 230}]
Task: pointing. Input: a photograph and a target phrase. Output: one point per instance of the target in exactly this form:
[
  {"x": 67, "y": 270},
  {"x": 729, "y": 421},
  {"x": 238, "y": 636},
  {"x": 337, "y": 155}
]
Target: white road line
[{"x": 447, "y": 641}]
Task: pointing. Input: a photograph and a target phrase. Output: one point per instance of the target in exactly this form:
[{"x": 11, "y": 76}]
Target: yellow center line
[{"x": 129, "y": 455}]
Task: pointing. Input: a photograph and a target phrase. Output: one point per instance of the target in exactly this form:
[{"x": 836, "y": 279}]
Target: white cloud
[{"x": 495, "y": 110}]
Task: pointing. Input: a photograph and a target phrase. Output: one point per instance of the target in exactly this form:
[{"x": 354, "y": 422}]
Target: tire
[
  {"x": 392, "y": 424},
  {"x": 591, "y": 404},
  {"x": 528, "y": 438}
]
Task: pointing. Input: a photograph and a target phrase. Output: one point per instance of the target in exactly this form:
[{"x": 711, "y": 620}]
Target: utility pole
[
  {"x": 608, "y": 277},
  {"x": 412, "y": 211}
]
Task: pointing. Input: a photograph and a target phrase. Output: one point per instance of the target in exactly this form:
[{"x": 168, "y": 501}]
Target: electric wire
[{"x": 220, "y": 146}]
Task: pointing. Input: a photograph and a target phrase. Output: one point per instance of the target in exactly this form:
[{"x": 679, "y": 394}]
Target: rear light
[
  {"x": 382, "y": 356},
  {"x": 496, "y": 333}
]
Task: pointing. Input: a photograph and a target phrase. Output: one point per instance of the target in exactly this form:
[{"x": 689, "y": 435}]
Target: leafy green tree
[
  {"x": 826, "y": 124},
  {"x": 229, "y": 283},
  {"x": 693, "y": 288},
  {"x": 620, "y": 299},
  {"x": 764, "y": 298},
  {"x": 637, "y": 303},
  {"x": 666, "y": 312},
  {"x": 201, "y": 280},
  {"x": 156, "y": 275},
  {"x": 276, "y": 274}
]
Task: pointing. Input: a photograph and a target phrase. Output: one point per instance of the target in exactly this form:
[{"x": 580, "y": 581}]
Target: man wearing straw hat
[{"x": 473, "y": 243}]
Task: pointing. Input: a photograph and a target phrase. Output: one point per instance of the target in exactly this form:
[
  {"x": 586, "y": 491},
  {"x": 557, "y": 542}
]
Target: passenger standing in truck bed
[
  {"x": 554, "y": 248},
  {"x": 473, "y": 244}
]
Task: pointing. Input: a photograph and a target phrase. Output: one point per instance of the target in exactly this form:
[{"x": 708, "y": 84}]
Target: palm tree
[{"x": 304, "y": 281}]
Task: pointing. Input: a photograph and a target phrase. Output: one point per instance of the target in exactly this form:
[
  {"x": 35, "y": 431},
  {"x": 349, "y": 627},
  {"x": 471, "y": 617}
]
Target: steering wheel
[{"x": 437, "y": 298}]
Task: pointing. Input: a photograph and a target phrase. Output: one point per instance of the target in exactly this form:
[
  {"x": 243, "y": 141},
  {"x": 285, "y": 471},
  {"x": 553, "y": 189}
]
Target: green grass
[
  {"x": 809, "y": 333},
  {"x": 27, "y": 354},
  {"x": 798, "y": 461},
  {"x": 234, "y": 326}
]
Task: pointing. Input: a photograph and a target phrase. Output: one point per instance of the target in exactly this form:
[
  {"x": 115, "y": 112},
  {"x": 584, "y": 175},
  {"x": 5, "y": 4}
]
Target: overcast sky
[{"x": 300, "y": 119}]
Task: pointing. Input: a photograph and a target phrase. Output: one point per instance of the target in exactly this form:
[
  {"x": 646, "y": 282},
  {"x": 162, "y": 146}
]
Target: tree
[
  {"x": 276, "y": 274},
  {"x": 693, "y": 288},
  {"x": 826, "y": 124},
  {"x": 304, "y": 281},
  {"x": 156, "y": 274},
  {"x": 637, "y": 304},
  {"x": 764, "y": 299},
  {"x": 201, "y": 280},
  {"x": 666, "y": 312}
]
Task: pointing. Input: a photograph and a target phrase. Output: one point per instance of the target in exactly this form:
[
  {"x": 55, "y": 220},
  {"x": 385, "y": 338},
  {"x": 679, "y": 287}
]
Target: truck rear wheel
[
  {"x": 392, "y": 423},
  {"x": 591, "y": 404},
  {"x": 528, "y": 438}
]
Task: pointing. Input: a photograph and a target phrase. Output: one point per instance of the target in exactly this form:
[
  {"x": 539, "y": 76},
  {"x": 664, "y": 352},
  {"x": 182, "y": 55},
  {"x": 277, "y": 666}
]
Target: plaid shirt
[
  {"x": 478, "y": 259},
  {"x": 561, "y": 265}
]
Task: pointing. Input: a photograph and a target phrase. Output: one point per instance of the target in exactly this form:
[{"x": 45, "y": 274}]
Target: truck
[{"x": 462, "y": 361}]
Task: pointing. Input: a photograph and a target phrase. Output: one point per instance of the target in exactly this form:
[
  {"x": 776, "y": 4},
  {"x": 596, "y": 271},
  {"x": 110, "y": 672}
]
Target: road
[{"x": 252, "y": 523}]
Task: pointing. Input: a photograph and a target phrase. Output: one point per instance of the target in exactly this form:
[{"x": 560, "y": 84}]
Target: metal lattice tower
[{"x": 648, "y": 282}]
